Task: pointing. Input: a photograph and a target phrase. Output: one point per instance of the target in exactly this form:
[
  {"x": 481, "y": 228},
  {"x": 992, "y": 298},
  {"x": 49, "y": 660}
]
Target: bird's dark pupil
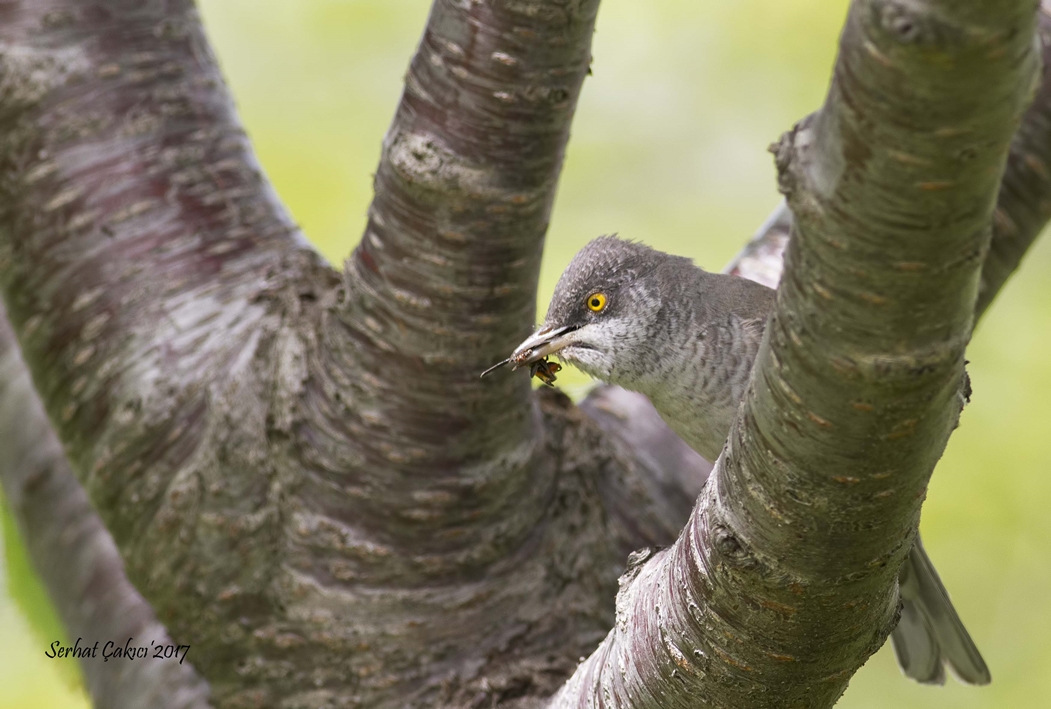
[{"x": 594, "y": 302}]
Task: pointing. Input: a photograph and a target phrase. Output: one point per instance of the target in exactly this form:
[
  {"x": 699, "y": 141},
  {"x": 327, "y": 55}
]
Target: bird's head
[{"x": 604, "y": 310}]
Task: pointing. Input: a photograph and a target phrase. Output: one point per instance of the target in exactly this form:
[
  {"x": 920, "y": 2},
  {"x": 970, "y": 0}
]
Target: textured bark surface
[
  {"x": 1023, "y": 204},
  {"x": 784, "y": 580},
  {"x": 302, "y": 472},
  {"x": 321, "y": 530},
  {"x": 75, "y": 555}
]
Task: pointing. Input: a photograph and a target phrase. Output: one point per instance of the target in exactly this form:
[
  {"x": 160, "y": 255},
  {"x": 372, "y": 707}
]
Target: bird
[{"x": 657, "y": 324}]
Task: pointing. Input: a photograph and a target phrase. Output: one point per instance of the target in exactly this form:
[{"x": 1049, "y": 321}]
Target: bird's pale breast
[{"x": 698, "y": 389}]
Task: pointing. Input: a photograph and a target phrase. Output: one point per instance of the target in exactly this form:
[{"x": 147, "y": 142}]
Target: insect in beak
[
  {"x": 534, "y": 352},
  {"x": 544, "y": 370}
]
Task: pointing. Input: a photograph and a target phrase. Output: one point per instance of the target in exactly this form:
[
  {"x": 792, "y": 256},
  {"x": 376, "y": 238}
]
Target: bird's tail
[{"x": 930, "y": 635}]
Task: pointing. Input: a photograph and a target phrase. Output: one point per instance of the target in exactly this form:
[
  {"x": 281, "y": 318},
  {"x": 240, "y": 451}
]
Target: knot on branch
[
  {"x": 788, "y": 158},
  {"x": 424, "y": 162},
  {"x": 782, "y": 152},
  {"x": 728, "y": 545},
  {"x": 636, "y": 560},
  {"x": 904, "y": 23}
]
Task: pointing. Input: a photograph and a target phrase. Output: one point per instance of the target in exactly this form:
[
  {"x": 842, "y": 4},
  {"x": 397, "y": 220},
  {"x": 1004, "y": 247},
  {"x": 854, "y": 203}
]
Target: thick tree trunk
[{"x": 301, "y": 470}]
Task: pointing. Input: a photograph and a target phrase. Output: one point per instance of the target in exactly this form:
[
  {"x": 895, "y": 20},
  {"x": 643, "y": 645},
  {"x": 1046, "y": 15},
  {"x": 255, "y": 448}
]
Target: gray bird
[{"x": 659, "y": 325}]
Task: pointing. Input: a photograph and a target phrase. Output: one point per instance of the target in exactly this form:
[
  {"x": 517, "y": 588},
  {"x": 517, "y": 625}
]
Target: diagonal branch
[
  {"x": 783, "y": 581},
  {"x": 1024, "y": 202},
  {"x": 129, "y": 185},
  {"x": 76, "y": 557},
  {"x": 1022, "y": 211},
  {"x": 146, "y": 266},
  {"x": 137, "y": 232}
]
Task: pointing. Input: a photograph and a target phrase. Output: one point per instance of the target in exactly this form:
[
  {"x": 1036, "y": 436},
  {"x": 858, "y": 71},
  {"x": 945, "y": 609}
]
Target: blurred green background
[{"x": 669, "y": 146}]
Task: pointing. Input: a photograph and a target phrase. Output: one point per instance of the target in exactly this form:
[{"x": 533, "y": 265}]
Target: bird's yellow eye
[{"x": 597, "y": 302}]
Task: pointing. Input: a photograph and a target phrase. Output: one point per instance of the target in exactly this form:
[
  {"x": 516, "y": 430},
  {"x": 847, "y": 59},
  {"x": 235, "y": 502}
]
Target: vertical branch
[
  {"x": 442, "y": 285},
  {"x": 296, "y": 468},
  {"x": 444, "y": 281}
]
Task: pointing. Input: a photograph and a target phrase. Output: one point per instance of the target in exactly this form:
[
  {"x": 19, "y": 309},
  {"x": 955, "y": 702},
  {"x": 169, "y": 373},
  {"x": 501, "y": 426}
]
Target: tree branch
[
  {"x": 762, "y": 258},
  {"x": 129, "y": 186},
  {"x": 1024, "y": 203},
  {"x": 443, "y": 283},
  {"x": 654, "y": 496},
  {"x": 785, "y": 576},
  {"x": 1024, "y": 199},
  {"x": 304, "y": 474},
  {"x": 76, "y": 557},
  {"x": 451, "y": 474},
  {"x": 144, "y": 260}
]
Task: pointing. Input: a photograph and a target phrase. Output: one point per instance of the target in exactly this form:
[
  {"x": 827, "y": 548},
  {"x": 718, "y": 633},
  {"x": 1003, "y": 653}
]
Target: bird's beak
[{"x": 545, "y": 341}]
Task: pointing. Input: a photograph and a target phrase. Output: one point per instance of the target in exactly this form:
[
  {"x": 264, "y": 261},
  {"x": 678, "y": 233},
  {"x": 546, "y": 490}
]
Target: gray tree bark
[{"x": 301, "y": 471}]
